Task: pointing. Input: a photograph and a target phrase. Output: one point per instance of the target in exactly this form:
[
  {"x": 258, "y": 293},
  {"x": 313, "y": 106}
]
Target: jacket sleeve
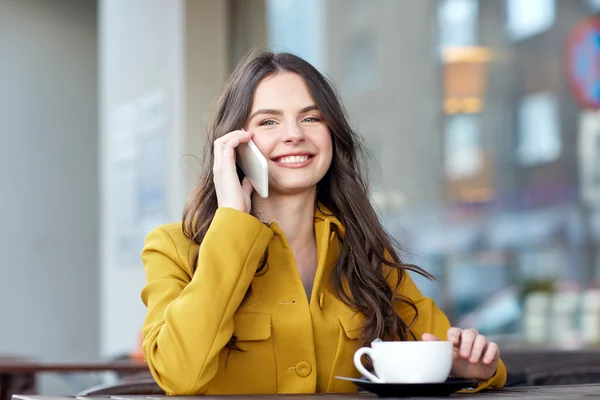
[
  {"x": 190, "y": 318},
  {"x": 433, "y": 320}
]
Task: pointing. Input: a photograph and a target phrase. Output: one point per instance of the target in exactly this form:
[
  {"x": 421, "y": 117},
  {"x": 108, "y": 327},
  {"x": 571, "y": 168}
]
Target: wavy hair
[{"x": 363, "y": 277}]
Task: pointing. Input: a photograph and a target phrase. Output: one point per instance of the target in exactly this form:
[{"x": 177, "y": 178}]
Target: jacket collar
[{"x": 325, "y": 215}]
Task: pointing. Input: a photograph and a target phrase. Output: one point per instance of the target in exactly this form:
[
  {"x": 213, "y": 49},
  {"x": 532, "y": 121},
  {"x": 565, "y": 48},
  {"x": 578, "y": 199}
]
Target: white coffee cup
[{"x": 407, "y": 362}]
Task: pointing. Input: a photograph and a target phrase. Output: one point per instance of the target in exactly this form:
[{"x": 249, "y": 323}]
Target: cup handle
[{"x": 361, "y": 368}]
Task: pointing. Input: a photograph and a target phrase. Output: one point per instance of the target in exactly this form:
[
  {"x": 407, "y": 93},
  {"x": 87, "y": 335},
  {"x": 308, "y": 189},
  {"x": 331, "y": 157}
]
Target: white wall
[
  {"x": 48, "y": 170},
  {"x": 49, "y": 177},
  {"x": 178, "y": 48}
]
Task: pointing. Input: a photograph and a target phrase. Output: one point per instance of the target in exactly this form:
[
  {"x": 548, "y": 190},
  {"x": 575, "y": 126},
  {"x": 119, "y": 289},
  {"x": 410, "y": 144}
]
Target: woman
[{"x": 274, "y": 295}]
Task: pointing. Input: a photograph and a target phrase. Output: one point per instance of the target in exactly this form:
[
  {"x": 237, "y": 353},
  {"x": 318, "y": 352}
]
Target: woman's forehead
[{"x": 286, "y": 91}]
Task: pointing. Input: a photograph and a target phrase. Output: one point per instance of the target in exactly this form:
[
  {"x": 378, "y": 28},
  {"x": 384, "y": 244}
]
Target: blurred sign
[
  {"x": 583, "y": 62},
  {"x": 136, "y": 176}
]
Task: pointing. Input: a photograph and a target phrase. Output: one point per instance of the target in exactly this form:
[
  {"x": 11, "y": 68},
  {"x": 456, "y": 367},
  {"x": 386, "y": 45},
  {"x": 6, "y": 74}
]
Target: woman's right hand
[{"x": 230, "y": 193}]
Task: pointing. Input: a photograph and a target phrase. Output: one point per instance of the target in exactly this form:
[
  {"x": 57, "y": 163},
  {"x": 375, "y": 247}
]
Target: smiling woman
[
  {"x": 293, "y": 136},
  {"x": 275, "y": 295}
]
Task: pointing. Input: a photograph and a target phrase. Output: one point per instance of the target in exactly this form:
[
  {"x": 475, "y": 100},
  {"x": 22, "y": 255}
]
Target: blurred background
[{"x": 481, "y": 117}]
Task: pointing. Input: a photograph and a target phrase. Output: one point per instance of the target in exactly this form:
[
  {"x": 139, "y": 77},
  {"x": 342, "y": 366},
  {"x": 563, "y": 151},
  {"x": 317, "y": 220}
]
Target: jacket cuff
[{"x": 495, "y": 382}]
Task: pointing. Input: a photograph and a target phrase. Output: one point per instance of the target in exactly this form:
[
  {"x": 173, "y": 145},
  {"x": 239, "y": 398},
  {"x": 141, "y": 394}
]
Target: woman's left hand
[{"x": 475, "y": 357}]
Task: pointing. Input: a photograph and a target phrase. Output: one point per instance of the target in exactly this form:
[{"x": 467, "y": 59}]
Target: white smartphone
[{"x": 255, "y": 167}]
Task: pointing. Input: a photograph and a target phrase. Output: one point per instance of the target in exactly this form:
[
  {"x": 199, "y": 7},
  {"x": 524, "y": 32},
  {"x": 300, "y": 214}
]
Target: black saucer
[{"x": 452, "y": 385}]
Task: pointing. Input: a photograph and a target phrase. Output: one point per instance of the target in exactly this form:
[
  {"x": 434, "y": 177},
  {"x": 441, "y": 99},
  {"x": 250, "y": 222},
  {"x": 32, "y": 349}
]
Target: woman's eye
[
  {"x": 311, "y": 119},
  {"x": 267, "y": 122}
]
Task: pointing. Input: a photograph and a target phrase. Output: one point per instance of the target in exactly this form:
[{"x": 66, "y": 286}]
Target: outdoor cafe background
[{"x": 481, "y": 117}]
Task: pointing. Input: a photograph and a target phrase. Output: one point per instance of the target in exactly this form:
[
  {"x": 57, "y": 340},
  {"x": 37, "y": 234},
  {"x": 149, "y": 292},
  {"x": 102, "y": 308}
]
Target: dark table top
[{"x": 588, "y": 392}]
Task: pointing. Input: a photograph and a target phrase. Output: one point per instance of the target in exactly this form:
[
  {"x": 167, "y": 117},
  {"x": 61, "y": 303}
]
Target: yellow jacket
[{"x": 289, "y": 345}]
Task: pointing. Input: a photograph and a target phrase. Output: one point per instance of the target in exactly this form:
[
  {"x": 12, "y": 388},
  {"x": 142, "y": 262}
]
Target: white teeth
[{"x": 293, "y": 159}]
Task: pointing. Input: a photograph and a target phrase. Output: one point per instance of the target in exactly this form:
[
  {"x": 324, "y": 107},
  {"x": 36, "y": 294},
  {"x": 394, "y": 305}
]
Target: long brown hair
[{"x": 361, "y": 278}]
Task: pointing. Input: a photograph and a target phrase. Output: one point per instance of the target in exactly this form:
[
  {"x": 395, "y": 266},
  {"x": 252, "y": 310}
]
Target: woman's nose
[{"x": 294, "y": 134}]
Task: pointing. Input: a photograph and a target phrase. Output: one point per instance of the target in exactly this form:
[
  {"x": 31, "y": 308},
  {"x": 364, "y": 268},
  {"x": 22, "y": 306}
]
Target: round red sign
[{"x": 583, "y": 62}]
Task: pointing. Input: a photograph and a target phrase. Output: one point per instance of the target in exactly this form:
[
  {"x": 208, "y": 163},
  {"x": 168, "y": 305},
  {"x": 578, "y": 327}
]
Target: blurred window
[
  {"x": 457, "y": 21},
  {"x": 525, "y": 18},
  {"x": 462, "y": 146},
  {"x": 296, "y": 26},
  {"x": 538, "y": 129}
]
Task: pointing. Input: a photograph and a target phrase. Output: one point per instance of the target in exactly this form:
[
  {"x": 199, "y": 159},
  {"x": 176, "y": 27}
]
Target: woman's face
[{"x": 290, "y": 132}]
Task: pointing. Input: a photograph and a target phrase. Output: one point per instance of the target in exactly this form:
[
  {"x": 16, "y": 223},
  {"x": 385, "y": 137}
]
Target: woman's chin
[{"x": 292, "y": 189}]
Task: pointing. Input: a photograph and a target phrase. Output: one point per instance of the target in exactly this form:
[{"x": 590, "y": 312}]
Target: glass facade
[{"x": 483, "y": 120}]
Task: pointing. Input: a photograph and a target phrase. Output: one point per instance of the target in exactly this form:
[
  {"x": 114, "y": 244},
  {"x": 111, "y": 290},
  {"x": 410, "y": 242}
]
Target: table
[
  {"x": 18, "y": 375},
  {"x": 588, "y": 392}
]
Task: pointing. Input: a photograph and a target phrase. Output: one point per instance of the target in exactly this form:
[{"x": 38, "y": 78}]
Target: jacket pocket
[
  {"x": 352, "y": 325},
  {"x": 251, "y": 327},
  {"x": 348, "y": 342},
  {"x": 253, "y": 369}
]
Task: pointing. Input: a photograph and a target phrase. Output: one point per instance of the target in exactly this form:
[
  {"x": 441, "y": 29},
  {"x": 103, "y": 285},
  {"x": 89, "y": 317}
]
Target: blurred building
[{"x": 468, "y": 110}]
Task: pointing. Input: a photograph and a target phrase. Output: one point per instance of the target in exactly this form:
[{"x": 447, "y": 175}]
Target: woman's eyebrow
[
  {"x": 272, "y": 111},
  {"x": 309, "y": 108},
  {"x": 269, "y": 111}
]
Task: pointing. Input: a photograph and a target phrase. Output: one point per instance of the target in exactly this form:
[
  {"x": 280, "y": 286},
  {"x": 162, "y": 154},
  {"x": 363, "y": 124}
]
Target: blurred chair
[
  {"x": 563, "y": 374},
  {"x": 139, "y": 387},
  {"x": 515, "y": 380},
  {"x": 12, "y": 382},
  {"x": 137, "y": 354}
]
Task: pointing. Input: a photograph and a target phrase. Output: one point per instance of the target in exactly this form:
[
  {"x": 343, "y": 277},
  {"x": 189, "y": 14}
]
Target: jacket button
[
  {"x": 303, "y": 369},
  {"x": 321, "y": 300}
]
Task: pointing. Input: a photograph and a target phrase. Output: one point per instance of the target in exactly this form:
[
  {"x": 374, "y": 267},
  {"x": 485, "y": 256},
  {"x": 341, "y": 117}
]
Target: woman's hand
[
  {"x": 475, "y": 357},
  {"x": 230, "y": 193}
]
